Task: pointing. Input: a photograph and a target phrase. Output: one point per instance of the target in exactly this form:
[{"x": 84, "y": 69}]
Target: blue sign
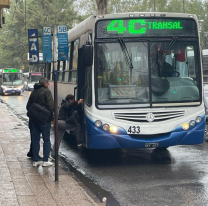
[
  {"x": 33, "y": 46},
  {"x": 46, "y": 43},
  {"x": 62, "y": 43}
]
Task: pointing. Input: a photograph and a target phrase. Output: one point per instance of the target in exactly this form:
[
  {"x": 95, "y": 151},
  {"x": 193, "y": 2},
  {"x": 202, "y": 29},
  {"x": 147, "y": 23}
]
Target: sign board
[
  {"x": 46, "y": 43},
  {"x": 122, "y": 91},
  {"x": 62, "y": 43},
  {"x": 129, "y": 27},
  {"x": 11, "y": 70},
  {"x": 33, "y": 46}
]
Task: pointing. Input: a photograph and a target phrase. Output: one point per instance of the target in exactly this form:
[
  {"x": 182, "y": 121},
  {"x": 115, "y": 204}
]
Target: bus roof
[{"x": 147, "y": 14}]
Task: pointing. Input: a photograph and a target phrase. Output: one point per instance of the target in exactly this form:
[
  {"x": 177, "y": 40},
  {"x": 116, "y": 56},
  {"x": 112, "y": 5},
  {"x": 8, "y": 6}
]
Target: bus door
[{"x": 84, "y": 79}]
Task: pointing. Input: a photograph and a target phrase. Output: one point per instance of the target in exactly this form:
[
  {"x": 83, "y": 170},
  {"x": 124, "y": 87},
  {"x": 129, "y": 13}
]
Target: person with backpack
[{"x": 41, "y": 100}]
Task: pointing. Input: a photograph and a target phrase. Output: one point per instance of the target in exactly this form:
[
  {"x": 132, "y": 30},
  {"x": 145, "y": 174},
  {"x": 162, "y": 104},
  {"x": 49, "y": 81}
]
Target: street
[{"x": 177, "y": 176}]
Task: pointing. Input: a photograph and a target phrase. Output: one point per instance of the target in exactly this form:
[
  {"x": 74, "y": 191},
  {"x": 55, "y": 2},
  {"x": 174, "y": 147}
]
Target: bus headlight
[
  {"x": 106, "y": 127},
  {"x": 98, "y": 123},
  {"x": 185, "y": 126},
  {"x": 113, "y": 129},
  {"x": 198, "y": 119},
  {"x": 192, "y": 123}
]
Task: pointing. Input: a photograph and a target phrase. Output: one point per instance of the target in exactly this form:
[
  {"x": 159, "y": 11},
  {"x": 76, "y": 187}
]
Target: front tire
[{"x": 18, "y": 93}]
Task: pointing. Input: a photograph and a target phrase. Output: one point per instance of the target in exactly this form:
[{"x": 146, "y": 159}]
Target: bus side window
[{"x": 73, "y": 71}]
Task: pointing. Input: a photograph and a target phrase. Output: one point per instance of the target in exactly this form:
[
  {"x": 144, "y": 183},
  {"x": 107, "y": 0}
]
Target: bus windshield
[
  {"x": 12, "y": 78},
  {"x": 34, "y": 79},
  {"x": 167, "y": 74}
]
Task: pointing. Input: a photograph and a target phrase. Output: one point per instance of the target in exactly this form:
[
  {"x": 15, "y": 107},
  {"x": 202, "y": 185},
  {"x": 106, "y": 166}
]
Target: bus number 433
[{"x": 134, "y": 130}]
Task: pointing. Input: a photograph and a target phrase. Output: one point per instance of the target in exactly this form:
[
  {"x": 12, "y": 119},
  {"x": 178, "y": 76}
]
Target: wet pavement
[
  {"x": 21, "y": 183},
  {"x": 177, "y": 176}
]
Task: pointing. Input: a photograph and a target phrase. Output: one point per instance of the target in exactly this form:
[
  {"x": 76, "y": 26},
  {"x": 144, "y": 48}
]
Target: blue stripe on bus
[{"x": 96, "y": 138}]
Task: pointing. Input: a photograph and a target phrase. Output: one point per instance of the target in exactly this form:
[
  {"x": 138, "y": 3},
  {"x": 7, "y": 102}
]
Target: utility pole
[
  {"x": 55, "y": 100},
  {"x": 183, "y": 6},
  {"x": 154, "y": 6}
]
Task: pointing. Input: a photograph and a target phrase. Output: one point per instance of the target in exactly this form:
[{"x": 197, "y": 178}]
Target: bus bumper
[{"x": 97, "y": 139}]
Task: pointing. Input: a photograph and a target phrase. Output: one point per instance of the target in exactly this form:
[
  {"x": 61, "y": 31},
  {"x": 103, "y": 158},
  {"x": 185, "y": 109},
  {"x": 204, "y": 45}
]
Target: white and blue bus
[
  {"x": 11, "y": 81},
  {"x": 31, "y": 78},
  {"x": 140, "y": 75}
]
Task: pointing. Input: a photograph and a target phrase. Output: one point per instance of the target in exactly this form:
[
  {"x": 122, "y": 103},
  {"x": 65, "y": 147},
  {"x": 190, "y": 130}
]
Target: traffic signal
[{"x": 23, "y": 67}]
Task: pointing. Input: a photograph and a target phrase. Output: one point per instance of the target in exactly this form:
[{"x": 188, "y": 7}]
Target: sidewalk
[{"x": 25, "y": 185}]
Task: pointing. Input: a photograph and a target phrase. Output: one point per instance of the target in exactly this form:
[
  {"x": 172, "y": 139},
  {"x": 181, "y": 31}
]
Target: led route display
[
  {"x": 146, "y": 27},
  {"x": 11, "y": 70}
]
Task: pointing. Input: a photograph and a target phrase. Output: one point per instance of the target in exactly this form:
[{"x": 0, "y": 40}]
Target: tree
[{"x": 102, "y": 6}]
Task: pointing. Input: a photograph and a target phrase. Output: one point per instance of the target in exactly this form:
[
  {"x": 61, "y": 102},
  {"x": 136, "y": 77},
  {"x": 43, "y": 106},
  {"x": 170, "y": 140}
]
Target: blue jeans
[{"x": 37, "y": 129}]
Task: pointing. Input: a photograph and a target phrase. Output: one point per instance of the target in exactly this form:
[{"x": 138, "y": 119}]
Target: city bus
[
  {"x": 140, "y": 75},
  {"x": 31, "y": 78},
  {"x": 11, "y": 81}
]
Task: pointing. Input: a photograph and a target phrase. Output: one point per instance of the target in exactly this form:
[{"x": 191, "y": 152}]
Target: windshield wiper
[
  {"x": 161, "y": 58},
  {"x": 125, "y": 52}
]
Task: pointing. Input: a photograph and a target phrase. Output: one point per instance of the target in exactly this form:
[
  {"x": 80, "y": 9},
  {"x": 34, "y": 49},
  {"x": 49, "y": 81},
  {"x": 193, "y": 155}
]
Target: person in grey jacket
[{"x": 41, "y": 95}]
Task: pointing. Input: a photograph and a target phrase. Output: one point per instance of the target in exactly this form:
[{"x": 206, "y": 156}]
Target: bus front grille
[{"x": 143, "y": 116}]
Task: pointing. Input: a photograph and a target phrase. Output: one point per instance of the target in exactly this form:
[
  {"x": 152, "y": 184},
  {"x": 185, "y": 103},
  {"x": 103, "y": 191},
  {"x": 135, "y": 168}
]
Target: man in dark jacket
[
  {"x": 41, "y": 95},
  {"x": 69, "y": 107}
]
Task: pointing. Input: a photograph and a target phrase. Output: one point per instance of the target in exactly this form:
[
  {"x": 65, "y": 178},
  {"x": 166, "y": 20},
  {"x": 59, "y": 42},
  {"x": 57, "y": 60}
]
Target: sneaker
[
  {"x": 46, "y": 164},
  {"x": 35, "y": 164},
  {"x": 79, "y": 143},
  {"x": 52, "y": 157},
  {"x": 29, "y": 154}
]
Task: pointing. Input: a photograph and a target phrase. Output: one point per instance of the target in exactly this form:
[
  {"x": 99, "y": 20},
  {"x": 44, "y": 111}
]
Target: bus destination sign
[
  {"x": 11, "y": 70},
  {"x": 145, "y": 27}
]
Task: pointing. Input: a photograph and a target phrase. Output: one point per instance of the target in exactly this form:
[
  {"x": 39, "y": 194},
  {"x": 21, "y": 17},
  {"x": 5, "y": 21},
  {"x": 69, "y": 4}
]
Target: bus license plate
[{"x": 151, "y": 145}]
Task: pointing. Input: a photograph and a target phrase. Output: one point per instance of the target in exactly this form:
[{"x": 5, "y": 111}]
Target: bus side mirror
[{"x": 87, "y": 55}]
